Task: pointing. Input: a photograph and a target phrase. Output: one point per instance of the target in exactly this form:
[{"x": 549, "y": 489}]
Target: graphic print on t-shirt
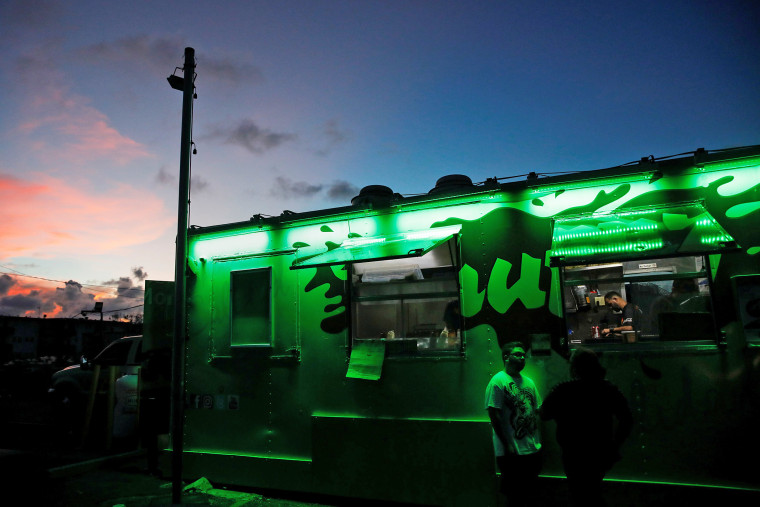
[{"x": 522, "y": 416}]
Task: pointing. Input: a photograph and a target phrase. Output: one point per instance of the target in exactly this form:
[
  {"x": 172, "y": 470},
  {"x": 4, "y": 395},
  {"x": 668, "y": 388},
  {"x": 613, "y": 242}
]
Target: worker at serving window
[
  {"x": 629, "y": 317},
  {"x": 452, "y": 318}
]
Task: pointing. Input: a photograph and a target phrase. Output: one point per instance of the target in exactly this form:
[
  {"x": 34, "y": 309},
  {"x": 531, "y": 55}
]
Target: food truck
[{"x": 346, "y": 351}]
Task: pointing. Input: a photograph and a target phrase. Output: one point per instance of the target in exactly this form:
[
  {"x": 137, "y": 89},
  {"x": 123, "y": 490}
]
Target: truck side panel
[{"x": 286, "y": 416}]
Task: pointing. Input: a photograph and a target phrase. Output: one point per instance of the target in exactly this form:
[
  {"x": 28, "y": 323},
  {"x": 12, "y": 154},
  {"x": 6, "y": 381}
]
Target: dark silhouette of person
[{"x": 585, "y": 409}]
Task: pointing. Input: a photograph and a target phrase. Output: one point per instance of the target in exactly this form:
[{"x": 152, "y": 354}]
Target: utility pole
[{"x": 187, "y": 85}]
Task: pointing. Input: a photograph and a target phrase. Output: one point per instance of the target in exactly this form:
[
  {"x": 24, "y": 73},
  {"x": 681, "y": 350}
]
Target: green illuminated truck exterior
[{"x": 346, "y": 351}]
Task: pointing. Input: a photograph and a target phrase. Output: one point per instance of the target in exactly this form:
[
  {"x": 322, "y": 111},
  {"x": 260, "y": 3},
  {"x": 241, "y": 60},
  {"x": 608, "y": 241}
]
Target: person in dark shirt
[
  {"x": 584, "y": 409},
  {"x": 629, "y": 320},
  {"x": 452, "y": 318}
]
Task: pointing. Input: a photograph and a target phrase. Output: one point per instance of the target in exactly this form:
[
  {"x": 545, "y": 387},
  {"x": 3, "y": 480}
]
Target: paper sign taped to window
[{"x": 366, "y": 360}]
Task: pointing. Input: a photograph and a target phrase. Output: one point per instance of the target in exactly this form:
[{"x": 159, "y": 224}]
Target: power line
[{"x": 108, "y": 311}]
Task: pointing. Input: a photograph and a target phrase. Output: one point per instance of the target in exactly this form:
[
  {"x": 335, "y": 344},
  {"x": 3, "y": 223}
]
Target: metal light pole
[{"x": 187, "y": 86}]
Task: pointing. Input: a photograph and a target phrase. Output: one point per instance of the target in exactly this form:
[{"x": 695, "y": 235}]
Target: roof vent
[
  {"x": 452, "y": 183},
  {"x": 374, "y": 196}
]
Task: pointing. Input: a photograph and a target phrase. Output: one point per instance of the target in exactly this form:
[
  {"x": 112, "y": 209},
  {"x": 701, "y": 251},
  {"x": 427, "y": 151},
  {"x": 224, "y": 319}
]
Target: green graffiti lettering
[
  {"x": 526, "y": 289},
  {"x": 472, "y": 300}
]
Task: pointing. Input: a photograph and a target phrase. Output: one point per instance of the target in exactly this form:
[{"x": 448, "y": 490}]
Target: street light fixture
[
  {"x": 176, "y": 82},
  {"x": 98, "y": 309}
]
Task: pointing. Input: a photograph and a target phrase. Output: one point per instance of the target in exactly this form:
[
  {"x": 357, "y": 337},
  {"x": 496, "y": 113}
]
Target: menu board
[{"x": 366, "y": 360}]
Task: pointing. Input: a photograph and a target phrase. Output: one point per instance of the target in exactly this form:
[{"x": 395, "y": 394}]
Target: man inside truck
[{"x": 629, "y": 318}]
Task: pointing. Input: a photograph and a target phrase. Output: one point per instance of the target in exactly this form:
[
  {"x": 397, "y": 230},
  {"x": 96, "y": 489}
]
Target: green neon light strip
[
  {"x": 617, "y": 231},
  {"x": 425, "y": 419},
  {"x": 478, "y": 196},
  {"x": 684, "y": 484},
  {"x": 663, "y": 483},
  {"x": 673, "y": 229},
  {"x": 645, "y": 246},
  {"x": 246, "y": 455},
  {"x": 733, "y": 164},
  {"x": 714, "y": 240},
  {"x": 646, "y": 176},
  {"x": 547, "y": 476},
  {"x": 595, "y": 182}
]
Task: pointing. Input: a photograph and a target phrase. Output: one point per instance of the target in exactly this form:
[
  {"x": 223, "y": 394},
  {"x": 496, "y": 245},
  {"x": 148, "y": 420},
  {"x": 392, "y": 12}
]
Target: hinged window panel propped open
[
  {"x": 393, "y": 246},
  {"x": 662, "y": 231}
]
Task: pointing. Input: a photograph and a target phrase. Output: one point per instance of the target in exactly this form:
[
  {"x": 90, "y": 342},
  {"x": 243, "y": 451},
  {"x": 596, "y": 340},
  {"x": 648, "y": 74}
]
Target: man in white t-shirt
[{"x": 512, "y": 401}]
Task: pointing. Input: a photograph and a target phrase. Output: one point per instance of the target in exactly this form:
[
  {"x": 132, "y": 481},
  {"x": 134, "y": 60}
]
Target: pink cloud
[
  {"x": 21, "y": 295},
  {"x": 32, "y": 297},
  {"x": 51, "y": 217},
  {"x": 63, "y": 126},
  {"x": 82, "y": 135}
]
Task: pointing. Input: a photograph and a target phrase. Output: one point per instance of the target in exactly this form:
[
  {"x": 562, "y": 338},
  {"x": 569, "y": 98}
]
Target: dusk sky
[{"x": 302, "y": 103}]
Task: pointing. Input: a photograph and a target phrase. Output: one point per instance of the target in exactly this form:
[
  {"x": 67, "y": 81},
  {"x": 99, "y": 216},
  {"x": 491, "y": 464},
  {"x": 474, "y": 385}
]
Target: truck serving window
[
  {"x": 668, "y": 300},
  {"x": 410, "y": 303},
  {"x": 403, "y": 289},
  {"x": 655, "y": 262},
  {"x": 250, "y": 308}
]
